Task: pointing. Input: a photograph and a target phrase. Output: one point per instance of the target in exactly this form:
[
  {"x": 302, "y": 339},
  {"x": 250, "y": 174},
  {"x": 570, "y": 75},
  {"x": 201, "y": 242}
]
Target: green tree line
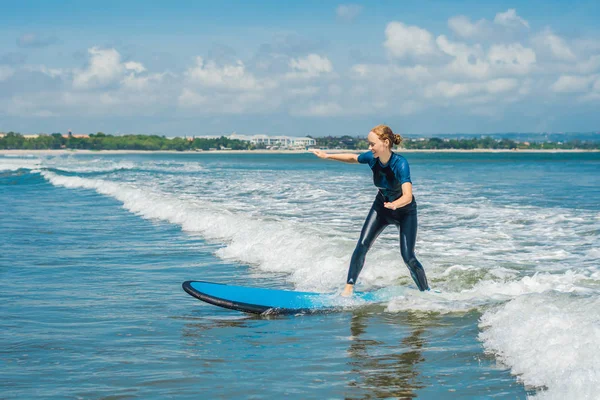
[
  {"x": 499, "y": 144},
  {"x": 434, "y": 143},
  {"x": 101, "y": 141}
]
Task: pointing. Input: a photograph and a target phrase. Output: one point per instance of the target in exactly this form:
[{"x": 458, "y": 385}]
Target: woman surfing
[{"x": 393, "y": 205}]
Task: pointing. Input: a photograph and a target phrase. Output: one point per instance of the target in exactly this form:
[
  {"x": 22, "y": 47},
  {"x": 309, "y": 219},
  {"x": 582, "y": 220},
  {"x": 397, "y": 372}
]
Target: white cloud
[
  {"x": 594, "y": 94},
  {"x": 513, "y": 58},
  {"x": 572, "y": 84},
  {"x": 463, "y": 27},
  {"x": 554, "y": 45},
  {"x": 226, "y": 103},
  {"x": 403, "y": 40},
  {"x": 227, "y": 77},
  {"x": 51, "y": 72},
  {"x": 135, "y": 82},
  {"x": 468, "y": 60},
  {"x": 310, "y": 66},
  {"x": 458, "y": 50},
  {"x": 323, "y": 109},
  {"x": 26, "y": 107},
  {"x": 102, "y": 88},
  {"x": 105, "y": 68},
  {"x": 121, "y": 101},
  {"x": 304, "y": 91},
  {"x": 348, "y": 12},
  {"x": 408, "y": 107},
  {"x": 485, "y": 71},
  {"x": 473, "y": 62},
  {"x": 525, "y": 87},
  {"x": 589, "y": 66},
  {"x": 559, "y": 48},
  {"x": 375, "y": 72},
  {"x": 446, "y": 89},
  {"x": 510, "y": 19},
  {"x": 416, "y": 73},
  {"x": 189, "y": 98},
  {"x": 361, "y": 70},
  {"x": 135, "y": 66},
  {"x": 501, "y": 85}
]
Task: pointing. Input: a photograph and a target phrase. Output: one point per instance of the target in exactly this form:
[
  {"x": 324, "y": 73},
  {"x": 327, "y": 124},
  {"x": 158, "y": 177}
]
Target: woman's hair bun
[{"x": 384, "y": 132}]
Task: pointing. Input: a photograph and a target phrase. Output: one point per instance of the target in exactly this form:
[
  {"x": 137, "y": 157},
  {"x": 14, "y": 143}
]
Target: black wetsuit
[{"x": 388, "y": 179}]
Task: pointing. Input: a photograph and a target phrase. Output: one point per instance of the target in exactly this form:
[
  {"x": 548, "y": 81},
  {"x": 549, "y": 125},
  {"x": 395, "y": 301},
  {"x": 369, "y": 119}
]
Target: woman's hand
[
  {"x": 343, "y": 157},
  {"x": 390, "y": 205},
  {"x": 403, "y": 200},
  {"x": 320, "y": 154}
]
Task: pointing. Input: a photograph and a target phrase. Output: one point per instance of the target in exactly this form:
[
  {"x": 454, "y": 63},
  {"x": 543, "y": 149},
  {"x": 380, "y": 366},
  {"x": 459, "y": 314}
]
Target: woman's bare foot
[{"x": 348, "y": 290}]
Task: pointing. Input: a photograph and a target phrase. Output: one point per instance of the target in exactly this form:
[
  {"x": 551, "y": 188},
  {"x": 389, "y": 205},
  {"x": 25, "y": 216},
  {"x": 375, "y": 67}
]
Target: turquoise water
[{"x": 94, "y": 249}]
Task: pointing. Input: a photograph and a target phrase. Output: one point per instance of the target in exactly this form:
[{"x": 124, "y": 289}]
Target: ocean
[{"x": 94, "y": 248}]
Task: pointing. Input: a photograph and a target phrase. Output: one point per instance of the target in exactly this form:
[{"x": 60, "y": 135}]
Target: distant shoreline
[{"x": 226, "y": 152}]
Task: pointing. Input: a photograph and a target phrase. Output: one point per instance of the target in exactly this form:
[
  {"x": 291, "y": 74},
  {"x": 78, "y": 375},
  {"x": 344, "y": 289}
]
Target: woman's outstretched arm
[{"x": 344, "y": 157}]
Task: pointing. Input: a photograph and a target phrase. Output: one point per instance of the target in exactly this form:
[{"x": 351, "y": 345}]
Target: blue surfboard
[{"x": 272, "y": 301}]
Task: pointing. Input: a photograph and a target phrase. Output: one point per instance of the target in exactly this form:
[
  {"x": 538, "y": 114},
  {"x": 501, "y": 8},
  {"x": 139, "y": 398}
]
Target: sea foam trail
[
  {"x": 313, "y": 258},
  {"x": 99, "y": 165},
  {"x": 17, "y": 163},
  {"x": 490, "y": 291},
  {"x": 270, "y": 245},
  {"x": 550, "y": 340}
]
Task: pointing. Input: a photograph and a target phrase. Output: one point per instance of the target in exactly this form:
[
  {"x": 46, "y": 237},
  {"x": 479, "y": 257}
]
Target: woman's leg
[
  {"x": 373, "y": 226},
  {"x": 408, "y": 237}
]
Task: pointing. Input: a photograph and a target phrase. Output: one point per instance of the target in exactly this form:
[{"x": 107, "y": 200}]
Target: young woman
[{"x": 393, "y": 205}]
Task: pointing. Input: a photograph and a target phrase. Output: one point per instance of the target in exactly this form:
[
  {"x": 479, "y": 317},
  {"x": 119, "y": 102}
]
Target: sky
[{"x": 193, "y": 68}]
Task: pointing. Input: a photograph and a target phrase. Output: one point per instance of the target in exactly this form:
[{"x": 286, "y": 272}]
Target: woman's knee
[
  {"x": 407, "y": 257},
  {"x": 413, "y": 264},
  {"x": 361, "y": 248}
]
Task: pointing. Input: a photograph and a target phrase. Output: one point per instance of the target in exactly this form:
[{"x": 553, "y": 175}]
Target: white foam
[
  {"x": 85, "y": 165},
  {"x": 550, "y": 340},
  {"x": 272, "y": 246},
  {"x": 313, "y": 259},
  {"x": 107, "y": 165},
  {"x": 15, "y": 164},
  {"x": 255, "y": 231},
  {"x": 18, "y": 155},
  {"x": 593, "y": 253},
  {"x": 491, "y": 291}
]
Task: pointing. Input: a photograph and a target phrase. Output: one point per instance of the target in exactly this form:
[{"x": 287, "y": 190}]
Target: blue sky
[{"x": 298, "y": 68}]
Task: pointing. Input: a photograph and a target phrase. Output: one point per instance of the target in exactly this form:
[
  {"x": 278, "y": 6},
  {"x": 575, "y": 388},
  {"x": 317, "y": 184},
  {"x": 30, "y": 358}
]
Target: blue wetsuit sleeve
[
  {"x": 366, "y": 158},
  {"x": 402, "y": 171}
]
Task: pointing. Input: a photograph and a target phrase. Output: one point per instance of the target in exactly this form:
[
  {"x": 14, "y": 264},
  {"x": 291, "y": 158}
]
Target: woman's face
[{"x": 376, "y": 145}]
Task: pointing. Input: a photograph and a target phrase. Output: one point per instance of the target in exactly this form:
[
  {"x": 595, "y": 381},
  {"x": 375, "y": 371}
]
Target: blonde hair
[{"x": 384, "y": 132}]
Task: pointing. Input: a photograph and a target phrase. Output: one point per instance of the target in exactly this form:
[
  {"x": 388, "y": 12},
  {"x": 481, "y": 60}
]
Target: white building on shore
[{"x": 281, "y": 142}]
